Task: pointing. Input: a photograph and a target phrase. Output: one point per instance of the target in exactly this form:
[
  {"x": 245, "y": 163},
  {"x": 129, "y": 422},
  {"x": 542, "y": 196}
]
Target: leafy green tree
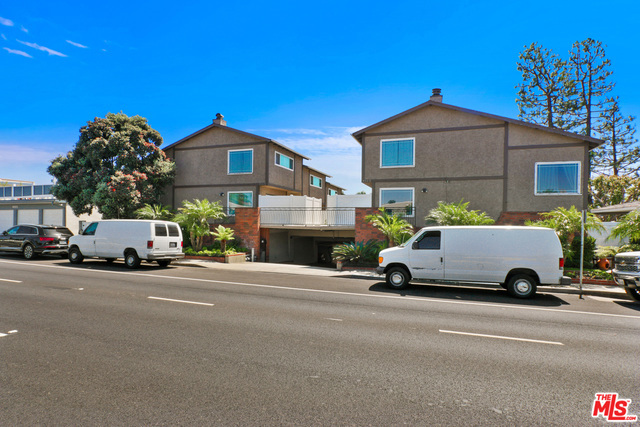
[
  {"x": 457, "y": 214},
  {"x": 619, "y": 155},
  {"x": 612, "y": 190},
  {"x": 194, "y": 217},
  {"x": 154, "y": 212},
  {"x": 394, "y": 228},
  {"x": 629, "y": 227},
  {"x": 223, "y": 235},
  {"x": 116, "y": 166},
  {"x": 543, "y": 93}
]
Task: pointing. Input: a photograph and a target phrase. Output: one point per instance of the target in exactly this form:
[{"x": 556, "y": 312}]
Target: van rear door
[
  {"x": 426, "y": 256},
  {"x": 167, "y": 238}
]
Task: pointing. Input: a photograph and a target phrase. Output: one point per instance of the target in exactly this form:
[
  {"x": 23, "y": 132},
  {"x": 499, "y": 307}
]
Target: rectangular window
[
  {"x": 237, "y": 199},
  {"x": 161, "y": 230},
  {"x": 240, "y": 161},
  {"x": 173, "y": 230},
  {"x": 37, "y": 190},
  {"x": 26, "y": 191},
  {"x": 557, "y": 178},
  {"x": 332, "y": 192},
  {"x": 284, "y": 161},
  {"x": 7, "y": 192},
  {"x": 315, "y": 181},
  {"x": 429, "y": 240},
  {"x": 17, "y": 191},
  {"x": 397, "y": 200},
  {"x": 396, "y": 153}
]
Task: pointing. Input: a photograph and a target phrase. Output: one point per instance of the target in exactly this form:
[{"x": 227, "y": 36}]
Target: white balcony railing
[{"x": 308, "y": 217}]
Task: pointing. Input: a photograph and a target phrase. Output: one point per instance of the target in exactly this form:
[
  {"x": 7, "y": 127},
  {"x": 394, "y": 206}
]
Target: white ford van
[
  {"x": 131, "y": 239},
  {"x": 518, "y": 258}
]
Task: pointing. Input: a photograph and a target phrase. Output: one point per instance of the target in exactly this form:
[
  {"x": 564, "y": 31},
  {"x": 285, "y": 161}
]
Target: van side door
[
  {"x": 87, "y": 240},
  {"x": 426, "y": 256}
]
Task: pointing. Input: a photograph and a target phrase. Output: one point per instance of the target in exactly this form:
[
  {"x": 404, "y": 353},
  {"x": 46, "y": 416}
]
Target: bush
[
  {"x": 572, "y": 257},
  {"x": 457, "y": 214},
  {"x": 358, "y": 252}
]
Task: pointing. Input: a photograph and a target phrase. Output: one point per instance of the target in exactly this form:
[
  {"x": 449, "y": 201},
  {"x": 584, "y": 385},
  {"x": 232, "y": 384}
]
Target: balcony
[{"x": 319, "y": 218}]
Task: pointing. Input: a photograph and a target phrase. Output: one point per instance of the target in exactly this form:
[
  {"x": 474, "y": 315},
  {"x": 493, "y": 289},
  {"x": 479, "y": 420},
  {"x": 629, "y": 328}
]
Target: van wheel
[
  {"x": 633, "y": 293},
  {"x": 398, "y": 278},
  {"x": 28, "y": 252},
  {"x": 522, "y": 286},
  {"x": 131, "y": 259},
  {"x": 164, "y": 263},
  {"x": 75, "y": 256}
]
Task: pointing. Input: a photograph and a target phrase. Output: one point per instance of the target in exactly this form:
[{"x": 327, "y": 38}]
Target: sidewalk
[{"x": 305, "y": 270}]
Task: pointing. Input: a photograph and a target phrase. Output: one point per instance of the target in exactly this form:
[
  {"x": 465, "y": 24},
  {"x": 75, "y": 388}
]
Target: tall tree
[
  {"x": 116, "y": 166},
  {"x": 620, "y": 154},
  {"x": 611, "y": 190},
  {"x": 542, "y": 95},
  {"x": 589, "y": 70}
]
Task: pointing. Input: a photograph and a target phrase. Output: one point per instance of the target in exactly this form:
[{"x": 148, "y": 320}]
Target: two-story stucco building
[
  {"x": 511, "y": 169},
  {"x": 234, "y": 167}
]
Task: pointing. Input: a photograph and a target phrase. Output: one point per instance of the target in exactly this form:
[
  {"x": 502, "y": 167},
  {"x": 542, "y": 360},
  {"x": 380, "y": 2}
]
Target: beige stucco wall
[
  {"x": 212, "y": 193},
  {"x": 282, "y": 177},
  {"x": 308, "y": 190},
  {"x": 454, "y": 164}
]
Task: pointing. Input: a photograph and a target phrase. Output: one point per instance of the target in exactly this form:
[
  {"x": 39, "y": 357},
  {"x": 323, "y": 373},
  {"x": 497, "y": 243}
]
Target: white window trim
[
  {"x": 229, "y": 162},
  {"x": 399, "y": 139},
  {"x": 275, "y": 160},
  {"x": 229, "y": 193},
  {"x": 311, "y": 176},
  {"x": 535, "y": 180},
  {"x": 413, "y": 197}
]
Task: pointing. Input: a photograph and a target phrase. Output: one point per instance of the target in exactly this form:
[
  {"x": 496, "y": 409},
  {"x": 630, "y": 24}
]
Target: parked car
[
  {"x": 626, "y": 273},
  {"x": 518, "y": 258},
  {"x": 131, "y": 239},
  {"x": 32, "y": 240}
]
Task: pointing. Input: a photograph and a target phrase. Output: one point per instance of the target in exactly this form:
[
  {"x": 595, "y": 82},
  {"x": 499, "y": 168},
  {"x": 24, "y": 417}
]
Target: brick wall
[
  {"x": 364, "y": 230},
  {"x": 517, "y": 218},
  {"x": 247, "y": 227}
]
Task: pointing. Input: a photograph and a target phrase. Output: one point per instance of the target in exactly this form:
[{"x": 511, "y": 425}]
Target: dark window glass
[
  {"x": 429, "y": 240},
  {"x": 56, "y": 231},
  {"x": 26, "y": 191},
  {"x": 7, "y": 192},
  {"x": 161, "y": 230},
  {"x": 13, "y": 230},
  {"x": 47, "y": 189},
  {"x": 174, "y": 231},
  {"x": 91, "y": 229},
  {"x": 27, "y": 230},
  {"x": 37, "y": 190},
  {"x": 17, "y": 191}
]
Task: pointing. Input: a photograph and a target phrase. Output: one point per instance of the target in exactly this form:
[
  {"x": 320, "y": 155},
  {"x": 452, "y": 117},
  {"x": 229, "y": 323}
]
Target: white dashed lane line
[
  {"x": 10, "y": 281},
  {"x": 181, "y": 301},
  {"x": 7, "y": 334},
  {"x": 500, "y": 337}
]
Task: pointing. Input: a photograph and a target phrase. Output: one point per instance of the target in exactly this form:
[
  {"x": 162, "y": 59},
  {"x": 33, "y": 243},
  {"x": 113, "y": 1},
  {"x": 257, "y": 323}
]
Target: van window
[
  {"x": 161, "y": 230},
  {"x": 174, "y": 231},
  {"x": 91, "y": 229},
  {"x": 429, "y": 240}
]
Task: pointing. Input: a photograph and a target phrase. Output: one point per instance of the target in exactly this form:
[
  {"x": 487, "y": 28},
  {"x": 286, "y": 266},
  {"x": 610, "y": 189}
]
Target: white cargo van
[
  {"x": 518, "y": 258},
  {"x": 131, "y": 239}
]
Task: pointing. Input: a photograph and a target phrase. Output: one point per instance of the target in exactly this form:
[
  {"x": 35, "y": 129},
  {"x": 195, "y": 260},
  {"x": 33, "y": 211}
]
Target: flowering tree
[{"x": 116, "y": 166}]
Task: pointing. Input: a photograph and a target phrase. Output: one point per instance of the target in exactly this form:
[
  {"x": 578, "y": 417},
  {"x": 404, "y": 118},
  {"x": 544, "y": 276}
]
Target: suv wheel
[{"x": 28, "y": 251}]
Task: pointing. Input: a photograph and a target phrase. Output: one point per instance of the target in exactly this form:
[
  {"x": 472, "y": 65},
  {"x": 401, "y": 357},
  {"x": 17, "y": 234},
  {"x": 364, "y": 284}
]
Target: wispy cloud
[
  {"x": 5, "y": 21},
  {"x": 42, "y": 48},
  {"x": 76, "y": 44},
  {"x": 3, "y": 36},
  {"x": 18, "y": 52},
  {"x": 13, "y": 154},
  {"x": 23, "y": 29}
]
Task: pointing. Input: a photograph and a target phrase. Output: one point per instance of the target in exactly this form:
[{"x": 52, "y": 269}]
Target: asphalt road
[{"x": 101, "y": 345}]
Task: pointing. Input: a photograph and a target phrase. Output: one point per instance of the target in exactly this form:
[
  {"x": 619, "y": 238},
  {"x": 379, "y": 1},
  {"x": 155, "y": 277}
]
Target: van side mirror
[
  {"x": 4, "y": 233},
  {"x": 414, "y": 245}
]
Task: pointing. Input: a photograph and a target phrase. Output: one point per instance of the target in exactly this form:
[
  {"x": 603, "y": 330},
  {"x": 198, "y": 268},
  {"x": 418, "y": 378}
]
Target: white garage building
[{"x": 28, "y": 203}]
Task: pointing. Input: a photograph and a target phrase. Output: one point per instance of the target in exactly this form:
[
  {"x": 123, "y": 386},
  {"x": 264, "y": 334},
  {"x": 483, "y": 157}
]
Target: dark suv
[{"x": 32, "y": 240}]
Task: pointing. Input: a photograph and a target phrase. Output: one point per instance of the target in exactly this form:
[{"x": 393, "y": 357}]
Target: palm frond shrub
[
  {"x": 457, "y": 214},
  {"x": 395, "y": 229},
  {"x": 357, "y": 252}
]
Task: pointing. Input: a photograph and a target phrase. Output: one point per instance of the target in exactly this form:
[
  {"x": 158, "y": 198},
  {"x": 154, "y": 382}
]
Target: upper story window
[
  {"x": 396, "y": 153},
  {"x": 284, "y": 161},
  {"x": 332, "y": 192},
  {"x": 557, "y": 178},
  {"x": 240, "y": 161},
  {"x": 315, "y": 181}
]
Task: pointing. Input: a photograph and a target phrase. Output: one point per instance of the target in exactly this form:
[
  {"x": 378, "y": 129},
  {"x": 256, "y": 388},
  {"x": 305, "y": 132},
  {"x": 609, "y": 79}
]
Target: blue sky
[{"x": 306, "y": 74}]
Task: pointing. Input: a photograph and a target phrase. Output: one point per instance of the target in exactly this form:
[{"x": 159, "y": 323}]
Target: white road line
[
  {"x": 500, "y": 337},
  {"x": 9, "y": 280},
  {"x": 335, "y": 320},
  {"x": 2, "y": 335},
  {"x": 399, "y": 297},
  {"x": 182, "y": 301}
]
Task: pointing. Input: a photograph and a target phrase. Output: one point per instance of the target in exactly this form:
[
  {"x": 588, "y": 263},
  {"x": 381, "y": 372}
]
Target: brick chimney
[
  {"x": 436, "y": 96},
  {"x": 219, "y": 120}
]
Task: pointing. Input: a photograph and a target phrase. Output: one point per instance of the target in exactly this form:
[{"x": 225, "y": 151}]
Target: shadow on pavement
[
  {"x": 486, "y": 293},
  {"x": 629, "y": 304}
]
